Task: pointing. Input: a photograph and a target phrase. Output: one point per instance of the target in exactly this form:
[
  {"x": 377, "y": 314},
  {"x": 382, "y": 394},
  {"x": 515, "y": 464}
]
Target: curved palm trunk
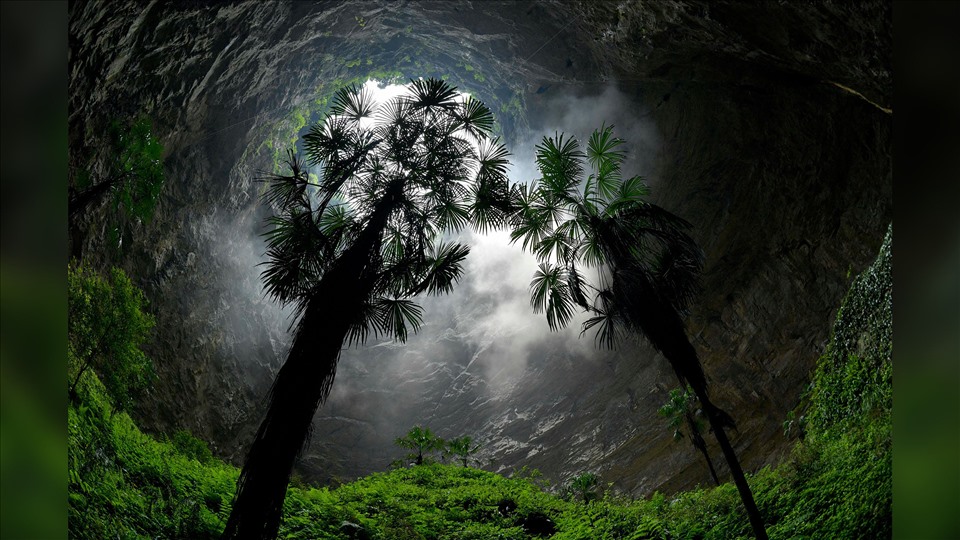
[
  {"x": 303, "y": 384},
  {"x": 718, "y": 421},
  {"x": 661, "y": 324},
  {"x": 701, "y": 445}
]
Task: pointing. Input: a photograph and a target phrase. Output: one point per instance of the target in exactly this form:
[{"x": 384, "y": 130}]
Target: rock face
[{"x": 772, "y": 137}]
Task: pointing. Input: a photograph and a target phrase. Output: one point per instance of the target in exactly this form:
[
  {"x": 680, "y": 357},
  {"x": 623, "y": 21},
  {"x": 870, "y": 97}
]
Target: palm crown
[
  {"x": 646, "y": 265},
  {"x": 394, "y": 177},
  {"x": 352, "y": 248},
  {"x": 602, "y": 222},
  {"x": 682, "y": 408}
]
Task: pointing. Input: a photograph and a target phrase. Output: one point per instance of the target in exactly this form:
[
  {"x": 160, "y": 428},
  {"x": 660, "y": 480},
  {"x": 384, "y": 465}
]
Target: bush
[
  {"x": 106, "y": 326},
  {"x": 836, "y": 484}
]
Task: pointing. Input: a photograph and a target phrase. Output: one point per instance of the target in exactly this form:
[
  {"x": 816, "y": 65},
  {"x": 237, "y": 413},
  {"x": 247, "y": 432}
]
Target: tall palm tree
[
  {"x": 646, "y": 266},
  {"x": 351, "y": 249},
  {"x": 681, "y": 409}
]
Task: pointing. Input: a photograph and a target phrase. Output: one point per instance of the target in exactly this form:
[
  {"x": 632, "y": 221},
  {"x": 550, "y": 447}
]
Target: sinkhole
[{"x": 735, "y": 126}]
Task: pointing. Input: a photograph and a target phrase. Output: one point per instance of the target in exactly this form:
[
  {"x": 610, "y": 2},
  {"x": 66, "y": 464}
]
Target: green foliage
[
  {"x": 435, "y": 171},
  {"x": 836, "y": 484},
  {"x": 422, "y": 441},
  {"x": 431, "y": 501},
  {"x": 131, "y": 178},
  {"x": 138, "y": 159},
  {"x": 192, "y": 447},
  {"x": 513, "y": 106},
  {"x": 106, "y": 328},
  {"x": 854, "y": 379},
  {"x": 572, "y": 222},
  {"x": 676, "y": 409},
  {"x": 124, "y": 484},
  {"x": 582, "y": 487},
  {"x": 462, "y": 448}
]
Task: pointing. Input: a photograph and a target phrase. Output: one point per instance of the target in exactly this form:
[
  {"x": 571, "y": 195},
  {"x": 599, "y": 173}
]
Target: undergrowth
[{"x": 836, "y": 484}]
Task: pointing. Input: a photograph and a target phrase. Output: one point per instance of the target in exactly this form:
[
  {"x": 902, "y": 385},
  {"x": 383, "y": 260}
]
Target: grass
[{"x": 836, "y": 484}]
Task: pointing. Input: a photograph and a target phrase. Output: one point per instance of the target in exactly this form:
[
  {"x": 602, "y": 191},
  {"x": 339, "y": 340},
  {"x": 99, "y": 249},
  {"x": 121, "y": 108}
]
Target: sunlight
[{"x": 383, "y": 92}]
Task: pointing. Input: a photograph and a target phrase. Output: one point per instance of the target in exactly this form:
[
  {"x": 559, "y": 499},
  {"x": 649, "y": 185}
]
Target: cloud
[
  {"x": 579, "y": 114},
  {"x": 479, "y": 341}
]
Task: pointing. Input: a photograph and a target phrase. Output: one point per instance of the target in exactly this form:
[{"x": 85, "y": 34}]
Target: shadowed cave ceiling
[{"x": 766, "y": 126}]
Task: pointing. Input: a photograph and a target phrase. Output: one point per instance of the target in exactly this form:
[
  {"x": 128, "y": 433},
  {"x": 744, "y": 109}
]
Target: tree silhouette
[
  {"x": 420, "y": 440},
  {"x": 680, "y": 409},
  {"x": 352, "y": 250},
  {"x": 647, "y": 267}
]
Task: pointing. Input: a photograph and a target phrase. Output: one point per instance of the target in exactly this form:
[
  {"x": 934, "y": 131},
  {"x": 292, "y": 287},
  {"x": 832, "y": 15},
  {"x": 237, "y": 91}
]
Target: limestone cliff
[{"x": 772, "y": 127}]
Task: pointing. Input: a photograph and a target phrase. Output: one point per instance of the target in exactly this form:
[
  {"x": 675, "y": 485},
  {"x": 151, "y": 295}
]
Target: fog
[{"x": 481, "y": 347}]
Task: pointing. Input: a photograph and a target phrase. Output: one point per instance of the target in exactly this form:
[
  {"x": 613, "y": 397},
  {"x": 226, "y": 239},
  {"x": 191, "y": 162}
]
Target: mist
[{"x": 481, "y": 349}]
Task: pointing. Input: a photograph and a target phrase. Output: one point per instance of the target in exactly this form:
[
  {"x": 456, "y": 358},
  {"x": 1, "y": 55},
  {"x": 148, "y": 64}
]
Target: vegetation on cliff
[
  {"x": 647, "y": 266},
  {"x": 836, "y": 484},
  {"x": 131, "y": 177}
]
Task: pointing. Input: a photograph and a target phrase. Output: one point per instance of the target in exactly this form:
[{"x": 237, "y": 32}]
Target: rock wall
[{"x": 773, "y": 124}]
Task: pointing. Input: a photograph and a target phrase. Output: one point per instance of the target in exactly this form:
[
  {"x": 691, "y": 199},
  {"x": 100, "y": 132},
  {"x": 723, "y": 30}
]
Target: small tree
[
  {"x": 422, "y": 441},
  {"x": 462, "y": 448},
  {"x": 106, "y": 326},
  {"x": 583, "y": 488},
  {"x": 133, "y": 176},
  {"x": 682, "y": 409}
]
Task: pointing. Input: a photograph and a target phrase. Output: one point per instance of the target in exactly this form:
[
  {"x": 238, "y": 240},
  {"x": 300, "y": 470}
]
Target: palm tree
[
  {"x": 682, "y": 409},
  {"x": 646, "y": 266},
  {"x": 462, "y": 448},
  {"x": 421, "y": 440},
  {"x": 584, "y": 487},
  {"x": 353, "y": 248}
]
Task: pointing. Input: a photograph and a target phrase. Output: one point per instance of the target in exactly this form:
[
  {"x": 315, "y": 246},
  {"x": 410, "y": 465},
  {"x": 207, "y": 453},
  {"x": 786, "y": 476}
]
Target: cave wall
[{"x": 774, "y": 122}]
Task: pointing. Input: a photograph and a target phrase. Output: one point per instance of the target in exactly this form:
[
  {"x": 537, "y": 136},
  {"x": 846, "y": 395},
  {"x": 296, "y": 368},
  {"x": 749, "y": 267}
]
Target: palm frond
[
  {"x": 286, "y": 191},
  {"x": 394, "y": 245},
  {"x": 605, "y": 156},
  {"x": 353, "y": 102},
  {"x": 555, "y": 245},
  {"x": 475, "y": 118},
  {"x": 610, "y": 326},
  {"x": 549, "y": 294},
  {"x": 335, "y": 220},
  {"x": 432, "y": 93},
  {"x": 591, "y": 250},
  {"x": 492, "y": 158},
  {"x": 397, "y": 317},
  {"x": 556, "y": 206},
  {"x": 577, "y": 286},
  {"x": 364, "y": 322},
  {"x": 452, "y": 215},
  {"x": 444, "y": 265},
  {"x": 327, "y": 140},
  {"x": 630, "y": 194},
  {"x": 560, "y": 163},
  {"x": 285, "y": 279},
  {"x": 529, "y": 221},
  {"x": 490, "y": 202},
  {"x": 295, "y": 255}
]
